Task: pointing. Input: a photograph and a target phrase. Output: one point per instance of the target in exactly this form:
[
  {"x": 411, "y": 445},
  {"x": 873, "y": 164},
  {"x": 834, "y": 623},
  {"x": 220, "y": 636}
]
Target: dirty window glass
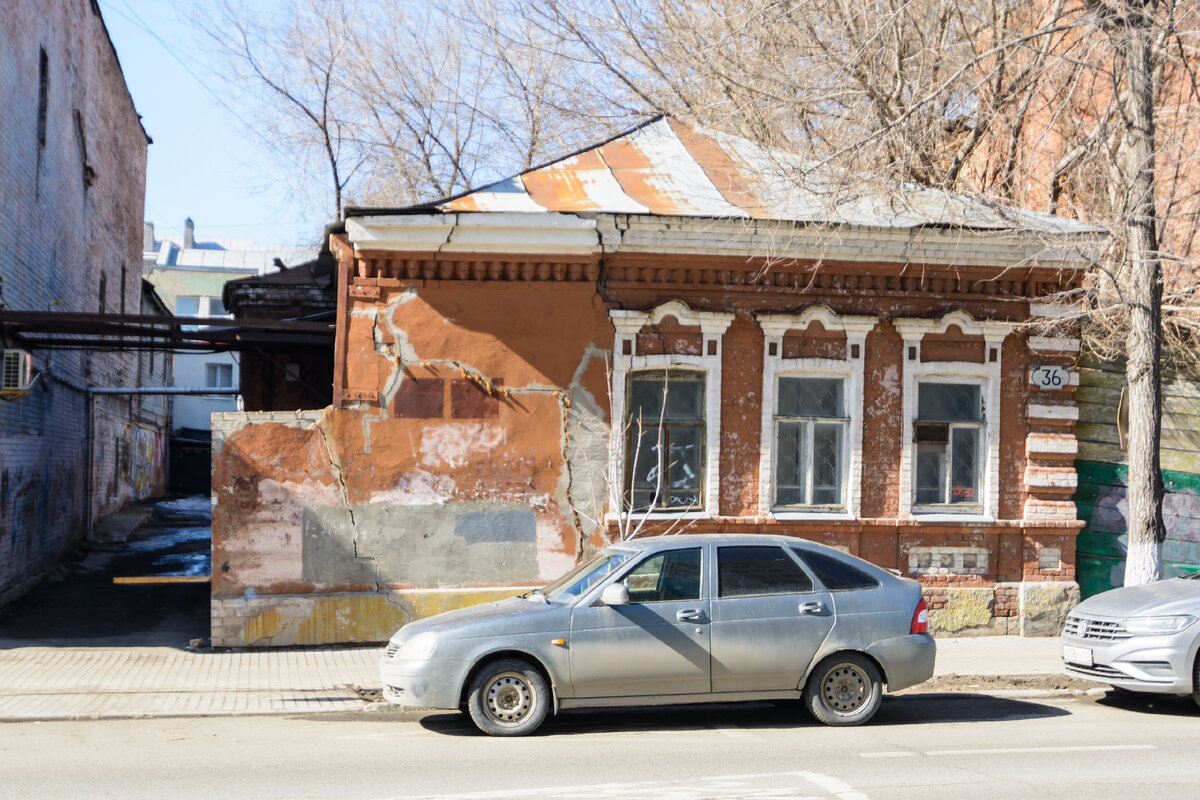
[
  {"x": 746, "y": 571},
  {"x": 586, "y": 575},
  {"x": 674, "y": 575},
  {"x": 948, "y": 433},
  {"x": 665, "y": 445},
  {"x": 837, "y": 575},
  {"x": 810, "y": 434}
]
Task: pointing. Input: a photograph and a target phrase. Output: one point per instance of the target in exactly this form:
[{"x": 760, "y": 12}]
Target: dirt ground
[{"x": 990, "y": 683}]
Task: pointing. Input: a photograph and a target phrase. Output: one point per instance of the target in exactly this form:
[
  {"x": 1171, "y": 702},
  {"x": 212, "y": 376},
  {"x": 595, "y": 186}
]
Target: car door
[
  {"x": 769, "y": 619},
  {"x": 655, "y": 645}
]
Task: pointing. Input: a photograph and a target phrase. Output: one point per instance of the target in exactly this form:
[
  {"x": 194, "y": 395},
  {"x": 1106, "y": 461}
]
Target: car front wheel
[
  {"x": 1196, "y": 681},
  {"x": 508, "y": 698},
  {"x": 844, "y": 689}
]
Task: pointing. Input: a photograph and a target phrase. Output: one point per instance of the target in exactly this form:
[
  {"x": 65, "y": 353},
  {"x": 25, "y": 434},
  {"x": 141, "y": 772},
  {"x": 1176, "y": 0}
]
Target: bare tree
[{"x": 294, "y": 65}]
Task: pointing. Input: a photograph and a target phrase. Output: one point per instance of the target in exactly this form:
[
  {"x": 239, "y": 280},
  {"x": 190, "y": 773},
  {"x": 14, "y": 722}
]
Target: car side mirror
[{"x": 615, "y": 594}]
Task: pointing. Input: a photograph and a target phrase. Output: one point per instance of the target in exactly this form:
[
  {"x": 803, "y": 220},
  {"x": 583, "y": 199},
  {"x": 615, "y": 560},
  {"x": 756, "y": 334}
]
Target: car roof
[{"x": 650, "y": 542}]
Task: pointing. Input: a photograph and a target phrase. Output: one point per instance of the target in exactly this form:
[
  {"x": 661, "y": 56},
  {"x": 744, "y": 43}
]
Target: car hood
[
  {"x": 1173, "y": 596},
  {"x": 510, "y": 616}
]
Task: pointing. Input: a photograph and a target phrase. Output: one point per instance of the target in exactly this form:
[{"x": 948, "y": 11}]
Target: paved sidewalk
[
  {"x": 45, "y": 683},
  {"x": 48, "y": 683}
]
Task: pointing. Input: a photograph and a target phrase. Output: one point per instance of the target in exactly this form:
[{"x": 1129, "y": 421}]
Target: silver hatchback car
[
  {"x": 1138, "y": 638},
  {"x": 674, "y": 619}
]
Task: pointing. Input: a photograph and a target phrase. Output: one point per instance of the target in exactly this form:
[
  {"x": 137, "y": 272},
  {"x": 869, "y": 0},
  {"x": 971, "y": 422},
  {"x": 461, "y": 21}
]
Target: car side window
[
  {"x": 673, "y": 575},
  {"x": 837, "y": 575},
  {"x": 747, "y": 571}
]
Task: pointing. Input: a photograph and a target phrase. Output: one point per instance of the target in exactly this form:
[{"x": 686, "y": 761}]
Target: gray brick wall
[{"x": 70, "y": 220}]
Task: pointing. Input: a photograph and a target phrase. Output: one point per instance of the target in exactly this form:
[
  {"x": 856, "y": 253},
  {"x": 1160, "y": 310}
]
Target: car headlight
[
  {"x": 418, "y": 648},
  {"x": 1154, "y": 626}
]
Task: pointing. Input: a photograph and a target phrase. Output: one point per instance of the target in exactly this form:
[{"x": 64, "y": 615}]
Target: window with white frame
[
  {"x": 948, "y": 431},
  {"x": 218, "y": 376},
  {"x": 810, "y": 442},
  {"x": 664, "y": 451},
  {"x": 811, "y": 462},
  {"x": 950, "y": 455}
]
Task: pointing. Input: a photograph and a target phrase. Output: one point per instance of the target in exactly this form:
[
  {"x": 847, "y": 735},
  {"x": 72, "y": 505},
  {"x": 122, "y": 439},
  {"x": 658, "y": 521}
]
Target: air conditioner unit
[{"x": 17, "y": 371}]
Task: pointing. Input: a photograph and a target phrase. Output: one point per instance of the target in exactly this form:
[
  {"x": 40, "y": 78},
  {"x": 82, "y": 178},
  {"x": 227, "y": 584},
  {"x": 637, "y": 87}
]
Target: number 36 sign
[{"x": 1050, "y": 377}]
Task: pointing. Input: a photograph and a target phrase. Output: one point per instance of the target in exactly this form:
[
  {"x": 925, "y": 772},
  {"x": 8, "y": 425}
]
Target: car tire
[
  {"x": 508, "y": 697},
  {"x": 845, "y": 689},
  {"x": 1196, "y": 681}
]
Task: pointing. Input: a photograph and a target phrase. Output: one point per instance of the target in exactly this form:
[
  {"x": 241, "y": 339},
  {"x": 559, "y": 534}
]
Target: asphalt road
[{"x": 919, "y": 746}]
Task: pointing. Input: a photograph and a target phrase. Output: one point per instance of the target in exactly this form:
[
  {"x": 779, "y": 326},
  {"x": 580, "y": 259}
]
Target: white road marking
[
  {"x": 1097, "y": 748},
  {"x": 999, "y": 751},
  {"x": 890, "y": 754},
  {"x": 717, "y": 787}
]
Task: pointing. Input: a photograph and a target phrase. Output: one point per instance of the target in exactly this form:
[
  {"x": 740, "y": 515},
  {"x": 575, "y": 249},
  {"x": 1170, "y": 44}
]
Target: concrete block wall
[{"x": 72, "y": 187}]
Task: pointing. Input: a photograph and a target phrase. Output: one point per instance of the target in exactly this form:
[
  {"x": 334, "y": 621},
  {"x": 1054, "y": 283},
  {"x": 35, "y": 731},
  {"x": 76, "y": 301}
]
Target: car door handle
[
  {"x": 814, "y": 609},
  {"x": 691, "y": 615}
]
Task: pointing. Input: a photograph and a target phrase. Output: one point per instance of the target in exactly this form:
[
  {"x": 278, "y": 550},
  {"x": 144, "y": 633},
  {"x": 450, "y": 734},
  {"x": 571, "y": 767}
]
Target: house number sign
[{"x": 1051, "y": 377}]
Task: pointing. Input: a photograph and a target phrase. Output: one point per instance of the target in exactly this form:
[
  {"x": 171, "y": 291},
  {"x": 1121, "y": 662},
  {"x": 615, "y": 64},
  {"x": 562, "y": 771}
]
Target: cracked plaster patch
[
  {"x": 417, "y": 488},
  {"x": 454, "y": 445}
]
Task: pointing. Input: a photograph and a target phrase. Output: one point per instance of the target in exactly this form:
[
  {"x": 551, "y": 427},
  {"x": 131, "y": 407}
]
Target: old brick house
[{"x": 664, "y": 331}]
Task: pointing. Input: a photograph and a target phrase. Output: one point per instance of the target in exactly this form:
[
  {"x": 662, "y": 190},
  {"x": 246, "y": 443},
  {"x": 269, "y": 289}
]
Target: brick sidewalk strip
[{"x": 46, "y": 683}]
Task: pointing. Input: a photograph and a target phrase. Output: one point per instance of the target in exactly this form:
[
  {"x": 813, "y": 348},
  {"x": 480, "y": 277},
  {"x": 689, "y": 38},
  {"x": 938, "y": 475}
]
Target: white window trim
[
  {"x": 775, "y": 327},
  {"x": 628, "y": 324},
  {"x": 987, "y": 375}
]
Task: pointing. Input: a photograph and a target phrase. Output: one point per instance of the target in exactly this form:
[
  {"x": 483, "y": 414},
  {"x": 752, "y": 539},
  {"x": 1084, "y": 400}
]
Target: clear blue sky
[{"x": 204, "y": 163}]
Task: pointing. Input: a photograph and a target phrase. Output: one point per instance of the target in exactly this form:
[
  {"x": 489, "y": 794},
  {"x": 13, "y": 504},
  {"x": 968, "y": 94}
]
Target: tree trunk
[{"x": 1144, "y": 269}]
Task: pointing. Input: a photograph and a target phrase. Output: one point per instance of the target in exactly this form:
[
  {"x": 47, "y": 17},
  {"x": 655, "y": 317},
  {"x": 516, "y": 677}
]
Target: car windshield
[{"x": 585, "y": 576}]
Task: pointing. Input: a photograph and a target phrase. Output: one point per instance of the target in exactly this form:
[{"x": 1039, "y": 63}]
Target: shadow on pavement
[
  {"x": 81, "y": 606},
  {"x": 1159, "y": 704},
  {"x": 907, "y": 710}
]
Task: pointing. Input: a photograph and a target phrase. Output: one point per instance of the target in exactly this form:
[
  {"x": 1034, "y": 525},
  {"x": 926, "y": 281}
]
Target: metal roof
[{"x": 671, "y": 168}]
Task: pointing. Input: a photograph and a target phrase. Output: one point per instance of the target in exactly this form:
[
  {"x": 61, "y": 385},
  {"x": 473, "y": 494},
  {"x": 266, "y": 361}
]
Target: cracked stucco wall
[{"x": 471, "y": 464}]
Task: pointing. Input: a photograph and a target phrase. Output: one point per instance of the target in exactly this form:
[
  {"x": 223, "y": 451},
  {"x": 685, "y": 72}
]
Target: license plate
[{"x": 1077, "y": 655}]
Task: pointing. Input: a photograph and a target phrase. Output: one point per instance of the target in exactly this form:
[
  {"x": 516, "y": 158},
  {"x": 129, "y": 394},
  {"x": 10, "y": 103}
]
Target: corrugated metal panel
[{"x": 672, "y": 168}]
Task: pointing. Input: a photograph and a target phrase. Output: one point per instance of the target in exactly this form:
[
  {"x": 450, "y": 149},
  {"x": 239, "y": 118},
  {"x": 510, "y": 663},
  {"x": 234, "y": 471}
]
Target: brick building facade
[
  {"x": 655, "y": 335},
  {"x": 72, "y": 183}
]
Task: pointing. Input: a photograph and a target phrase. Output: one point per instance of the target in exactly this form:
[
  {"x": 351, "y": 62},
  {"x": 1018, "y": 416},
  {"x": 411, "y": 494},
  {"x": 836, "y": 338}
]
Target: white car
[{"x": 1138, "y": 638}]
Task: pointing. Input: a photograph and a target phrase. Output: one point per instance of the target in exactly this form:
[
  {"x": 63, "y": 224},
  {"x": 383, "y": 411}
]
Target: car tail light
[{"x": 920, "y": 620}]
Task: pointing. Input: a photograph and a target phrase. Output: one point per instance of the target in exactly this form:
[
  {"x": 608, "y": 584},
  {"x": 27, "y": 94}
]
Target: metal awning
[{"x": 56, "y": 330}]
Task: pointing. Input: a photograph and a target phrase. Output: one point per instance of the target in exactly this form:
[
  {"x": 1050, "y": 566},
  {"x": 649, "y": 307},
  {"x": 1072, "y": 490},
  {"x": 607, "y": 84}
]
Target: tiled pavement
[{"x": 45, "y": 683}]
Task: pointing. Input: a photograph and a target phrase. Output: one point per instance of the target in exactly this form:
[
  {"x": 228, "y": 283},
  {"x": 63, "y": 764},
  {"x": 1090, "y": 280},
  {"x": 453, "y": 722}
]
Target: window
[
  {"x": 948, "y": 432},
  {"x": 745, "y": 571},
  {"x": 812, "y": 414},
  {"x": 216, "y": 308},
  {"x": 836, "y": 574},
  {"x": 665, "y": 443},
  {"x": 950, "y": 440},
  {"x": 218, "y": 376},
  {"x": 674, "y": 575},
  {"x": 676, "y": 349},
  {"x": 810, "y": 441},
  {"x": 187, "y": 306}
]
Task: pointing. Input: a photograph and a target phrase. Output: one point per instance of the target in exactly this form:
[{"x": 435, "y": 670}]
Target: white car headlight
[
  {"x": 418, "y": 648},
  {"x": 1156, "y": 626}
]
